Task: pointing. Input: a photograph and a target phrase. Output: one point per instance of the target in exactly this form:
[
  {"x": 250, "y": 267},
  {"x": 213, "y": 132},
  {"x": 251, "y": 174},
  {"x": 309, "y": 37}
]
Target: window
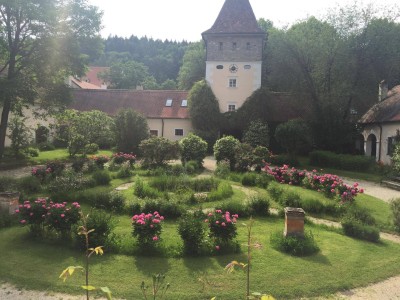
[
  {"x": 169, "y": 102},
  {"x": 153, "y": 132},
  {"x": 247, "y": 67},
  {"x": 234, "y": 46},
  {"x": 221, "y": 46},
  {"x": 232, "y": 82},
  {"x": 179, "y": 132},
  {"x": 220, "y": 67},
  {"x": 248, "y": 46},
  {"x": 231, "y": 107},
  {"x": 390, "y": 145},
  {"x": 184, "y": 103}
]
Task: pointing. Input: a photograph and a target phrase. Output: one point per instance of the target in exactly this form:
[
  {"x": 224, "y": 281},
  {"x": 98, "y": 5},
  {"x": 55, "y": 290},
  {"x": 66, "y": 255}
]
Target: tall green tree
[
  {"x": 193, "y": 67},
  {"x": 130, "y": 130},
  {"x": 40, "y": 43},
  {"x": 204, "y": 112}
]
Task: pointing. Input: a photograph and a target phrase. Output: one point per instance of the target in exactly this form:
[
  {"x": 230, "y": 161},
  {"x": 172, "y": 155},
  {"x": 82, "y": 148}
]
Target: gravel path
[{"x": 388, "y": 289}]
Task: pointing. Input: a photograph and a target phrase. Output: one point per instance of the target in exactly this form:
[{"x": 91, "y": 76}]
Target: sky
[{"x": 187, "y": 19}]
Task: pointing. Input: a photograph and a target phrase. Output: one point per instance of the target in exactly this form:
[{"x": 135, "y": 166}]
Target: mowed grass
[
  {"x": 59, "y": 154},
  {"x": 342, "y": 263}
]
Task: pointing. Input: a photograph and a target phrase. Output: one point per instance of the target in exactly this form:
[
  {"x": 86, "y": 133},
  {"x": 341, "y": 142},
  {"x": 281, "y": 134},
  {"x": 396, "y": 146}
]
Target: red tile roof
[
  {"x": 149, "y": 103},
  {"x": 83, "y": 84},
  {"x": 387, "y": 110},
  {"x": 92, "y": 75},
  {"x": 236, "y": 16}
]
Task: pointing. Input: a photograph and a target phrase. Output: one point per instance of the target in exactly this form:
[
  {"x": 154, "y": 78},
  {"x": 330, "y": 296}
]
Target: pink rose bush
[
  {"x": 222, "y": 226},
  {"x": 100, "y": 160},
  {"x": 42, "y": 213},
  {"x": 147, "y": 228},
  {"x": 331, "y": 185},
  {"x": 121, "y": 157}
]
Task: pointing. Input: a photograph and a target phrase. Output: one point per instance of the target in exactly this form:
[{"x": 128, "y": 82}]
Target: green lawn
[
  {"x": 342, "y": 263},
  {"x": 59, "y": 154}
]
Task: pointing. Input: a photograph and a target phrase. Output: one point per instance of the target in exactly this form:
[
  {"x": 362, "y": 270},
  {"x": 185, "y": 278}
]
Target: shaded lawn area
[
  {"x": 342, "y": 263},
  {"x": 59, "y": 154}
]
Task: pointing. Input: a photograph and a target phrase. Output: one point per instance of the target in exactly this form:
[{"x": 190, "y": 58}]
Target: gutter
[
  {"x": 380, "y": 142},
  {"x": 162, "y": 127}
]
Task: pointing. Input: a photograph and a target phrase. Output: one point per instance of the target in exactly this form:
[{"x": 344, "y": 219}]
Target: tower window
[
  {"x": 247, "y": 67},
  {"x": 221, "y": 46},
  {"x": 248, "y": 46},
  {"x": 231, "y": 107},
  {"x": 220, "y": 67},
  {"x": 232, "y": 82},
  {"x": 234, "y": 46}
]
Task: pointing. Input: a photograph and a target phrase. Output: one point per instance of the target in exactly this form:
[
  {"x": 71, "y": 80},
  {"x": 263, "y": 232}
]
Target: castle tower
[{"x": 234, "y": 46}]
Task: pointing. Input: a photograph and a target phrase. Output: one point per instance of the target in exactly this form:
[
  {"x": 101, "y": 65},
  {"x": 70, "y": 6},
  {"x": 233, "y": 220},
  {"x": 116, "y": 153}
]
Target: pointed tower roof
[{"x": 236, "y": 16}]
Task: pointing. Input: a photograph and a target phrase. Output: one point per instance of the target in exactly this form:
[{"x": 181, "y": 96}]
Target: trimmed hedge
[
  {"x": 356, "y": 229},
  {"x": 348, "y": 162}
]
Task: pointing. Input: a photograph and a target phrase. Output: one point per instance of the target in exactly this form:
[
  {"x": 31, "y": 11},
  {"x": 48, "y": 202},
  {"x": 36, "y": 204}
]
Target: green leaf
[
  {"x": 107, "y": 291},
  {"x": 88, "y": 287}
]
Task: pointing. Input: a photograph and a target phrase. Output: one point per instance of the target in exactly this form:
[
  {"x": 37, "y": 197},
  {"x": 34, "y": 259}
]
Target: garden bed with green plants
[{"x": 188, "y": 227}]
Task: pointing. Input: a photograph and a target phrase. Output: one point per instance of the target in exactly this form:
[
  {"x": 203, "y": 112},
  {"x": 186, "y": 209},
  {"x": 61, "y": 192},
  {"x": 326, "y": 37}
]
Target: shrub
[
  {"x": 239, "y": 207},
  {"x": 33, "y": 215},
  {"x": 62, "y": 217},
  {"x": 68, "y": 182},
  {"x": 91, "y": 148},
  {"x": 193, "y": 148},
  {"x": 223, "y": 191},
  {"x": 297, "y": 246},
  {"x": 191, "y": 167},
  {"x": 77, "y": 164},
  {"x": 263, "y": 180},
  {"x": 361, "y": 214},
  {"x": 257, "y": 134},
  {"x": 147, "y": 228},
  {"x": 312, "y": 205},
  {"x": 168, "y": 209},
  {"x": 7, "y": 220},
  {"x": 99, "y": 160},
  {"x": 290, "y": 199},
  {"x": 395, "y": 206},
  {"x": 260, "y": 156},
  {"x": 122, "y": 157},
  {"x": 30, "y": 184},
  {"x": 191, "y": 229},
  {"x": 294, "y": 136},
  {"x": 222, "y": 170},
  {"x": 249, "y": 179},
  {"x": 328, "y": 159},
  {"x": 156, "y": 151},
  {"x": 125, "y": 171},
  {"x": 116, "y": 202},
  {"x": 8, "y": 184},
  {"x": 356, "y": 229},
  {"x": 103, "y": 225},
  {"x": 222, "y": 226},
  {"x": 259, "y": 206},
  {"x": 224, "y": 149},
  {"x": 101, "y": 177},
  {"x": 31, "y": 152},
  {"x": 55, "y": 168},
  {"x": 244, "y": 157},
  {"x": 280, "y": 160},
  {"x": 275, "y": 190},
  {"x": 142, "y": 190}
]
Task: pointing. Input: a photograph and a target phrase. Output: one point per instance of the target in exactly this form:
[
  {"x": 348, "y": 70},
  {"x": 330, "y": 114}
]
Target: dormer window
[
  {"x": 168, "y": 103},
  {"x": 184, "y": 103}
]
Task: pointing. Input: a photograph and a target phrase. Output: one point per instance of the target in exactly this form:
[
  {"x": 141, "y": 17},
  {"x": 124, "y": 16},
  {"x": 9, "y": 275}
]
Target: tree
[
  {"x": 204, "y": 112},
  {"x": 127, "y": 75},
  {"x": 193, "y": 68},
  {"x": 20, "y": 135},
  {"x": 83, "y": 128},
  {"x": 194, "y": 148},
  {"x": 130, "y": 130},
  {"x": 40, "y": 44},
  {"x": 257, "y": 134},
  {"x": 294, "y": 136}
]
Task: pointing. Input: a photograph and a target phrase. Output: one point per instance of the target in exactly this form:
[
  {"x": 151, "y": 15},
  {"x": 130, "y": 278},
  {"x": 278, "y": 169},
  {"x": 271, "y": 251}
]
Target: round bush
[
  {"x": 194, "y": 148},
  {"x": 101, "y": 177},
  {"x": 224, "y": 149},
  {"x": 297, "y": 246},
  {"x": 259, "y": 206},
  {"x": 91, "y": 148},
  {"x": 191, "y": 229}
]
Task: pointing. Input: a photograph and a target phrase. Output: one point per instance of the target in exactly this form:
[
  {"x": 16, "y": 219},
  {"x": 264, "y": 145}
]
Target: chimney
[{"x": 383, "y": 90}]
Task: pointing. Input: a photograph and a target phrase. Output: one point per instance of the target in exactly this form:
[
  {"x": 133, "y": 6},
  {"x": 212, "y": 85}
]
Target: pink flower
[
  {"x": 62, "y": 215},
  {"x": 206, "y": 221},
  {"x": 23, "y": 221},
  {"x": 155, "y": 238},
  {"x": 217, "y": 248}
]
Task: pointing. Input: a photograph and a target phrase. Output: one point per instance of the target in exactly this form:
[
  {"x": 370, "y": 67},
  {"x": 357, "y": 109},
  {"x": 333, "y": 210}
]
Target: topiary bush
[
  {"x": 224, "y": 149},
  {"x": 259, "y": 206},
  {"x": 156, "y": 151},
  {"x": 297, "y": 246},
  {"x": 193, "y": 147},
  {"x": 355, "y": 228},
  {"x": 91, "y": 148},
  {"x": 249, "y": 179}
]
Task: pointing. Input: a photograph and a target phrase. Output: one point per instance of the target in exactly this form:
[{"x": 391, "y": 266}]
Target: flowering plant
[
  {"x": 147, "y": 227},
  {"x": 121, "y": 157},
  {"x": 40, "y": 173},
  {"x": 100, "y": 160},
  {"x": 222, "y": 226},
  {"x": 330, "y": 185},
  {"x": 42, "y": 213}
]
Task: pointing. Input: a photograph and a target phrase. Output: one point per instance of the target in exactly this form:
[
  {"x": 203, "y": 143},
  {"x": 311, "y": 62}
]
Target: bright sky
[{"x": 187, "y": 19}]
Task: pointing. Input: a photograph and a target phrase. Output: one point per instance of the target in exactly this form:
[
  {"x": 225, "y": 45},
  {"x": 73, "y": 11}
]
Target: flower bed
[{"x": 331, "y": 185}]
